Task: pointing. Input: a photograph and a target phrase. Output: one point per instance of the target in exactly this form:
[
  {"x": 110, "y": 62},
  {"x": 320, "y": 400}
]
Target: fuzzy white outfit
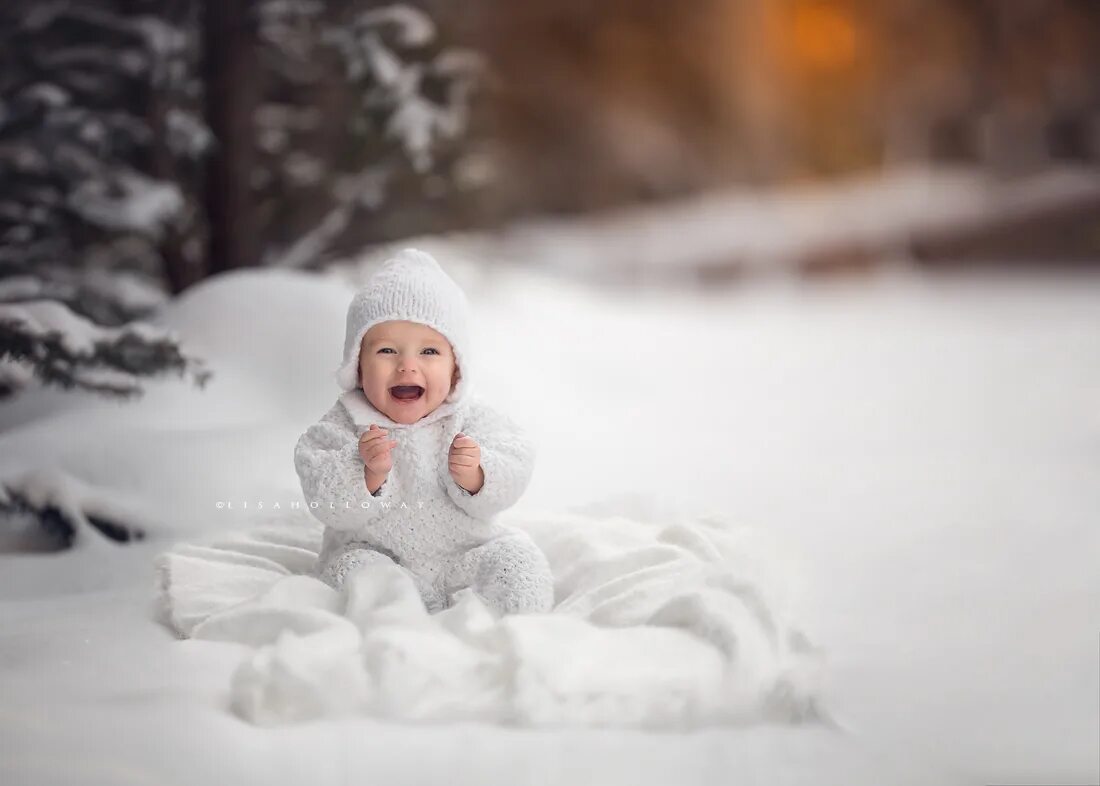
[{"x": 420, "y": 518}]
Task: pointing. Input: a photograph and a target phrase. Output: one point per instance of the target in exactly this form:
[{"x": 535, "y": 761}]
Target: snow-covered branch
[
  {"x": 54, "y": 504},
  {"x": 408, "y": 101},
  {"x": 397, "y": 78},
  {"x": 63, "y": 348},
  {"x": 99, "y": 151}
]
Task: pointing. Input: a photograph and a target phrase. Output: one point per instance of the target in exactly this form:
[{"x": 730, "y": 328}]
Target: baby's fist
[
  {"x": 464, "y": 461},
  {"x": 374, "y": 449}
]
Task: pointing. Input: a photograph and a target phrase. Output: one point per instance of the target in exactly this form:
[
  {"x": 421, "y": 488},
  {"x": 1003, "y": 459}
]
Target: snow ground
[{"x": 927, "y": 447}]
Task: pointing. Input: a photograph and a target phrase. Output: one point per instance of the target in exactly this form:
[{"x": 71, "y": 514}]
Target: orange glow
[{"x": 822, "y": 37}]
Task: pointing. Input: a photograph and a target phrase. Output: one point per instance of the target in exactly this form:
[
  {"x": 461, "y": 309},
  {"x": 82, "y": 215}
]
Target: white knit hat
[{"x": 410, "y": 286}]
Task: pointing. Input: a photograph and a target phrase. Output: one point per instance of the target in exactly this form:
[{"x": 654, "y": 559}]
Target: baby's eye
[
  {"x": 385, "y": 349},
  {"x": 432, "y": 350}
]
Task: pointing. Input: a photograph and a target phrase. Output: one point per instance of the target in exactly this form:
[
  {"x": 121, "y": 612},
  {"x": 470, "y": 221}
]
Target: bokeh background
[{"x": 179, "y": 139}]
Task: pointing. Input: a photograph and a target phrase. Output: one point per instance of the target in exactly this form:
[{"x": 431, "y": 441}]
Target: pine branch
[
  {"x": 410, "y": 101},
  {"x": 66, "y": 350},
  {"x": 62, "y": 507}
]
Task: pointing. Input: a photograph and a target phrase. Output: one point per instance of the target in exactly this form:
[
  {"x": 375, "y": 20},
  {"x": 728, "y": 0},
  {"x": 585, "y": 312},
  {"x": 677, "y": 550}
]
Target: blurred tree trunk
[
  {"x": 184, "y": 256},
  {"x": 231, "y": 77},
  {"x": 180, "y": 271}
]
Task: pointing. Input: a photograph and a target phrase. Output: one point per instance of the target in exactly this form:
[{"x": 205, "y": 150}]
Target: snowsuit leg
[
  {"x": 509, "y": 573},
  {"x": 355, "y": 556},
  {"x": 358, "y": 555}
]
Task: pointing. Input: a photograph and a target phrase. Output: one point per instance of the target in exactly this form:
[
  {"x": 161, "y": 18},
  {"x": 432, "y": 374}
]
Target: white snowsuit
[{"x": 420, "y": 518}]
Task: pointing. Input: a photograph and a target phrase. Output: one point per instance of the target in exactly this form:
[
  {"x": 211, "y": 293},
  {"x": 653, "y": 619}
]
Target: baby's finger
[
  {"x": 372, "y": 434},
  {"x": 382, "y": 448},
  {"x": 463, "y": 441},
  {"x": 463, "y": 461}
]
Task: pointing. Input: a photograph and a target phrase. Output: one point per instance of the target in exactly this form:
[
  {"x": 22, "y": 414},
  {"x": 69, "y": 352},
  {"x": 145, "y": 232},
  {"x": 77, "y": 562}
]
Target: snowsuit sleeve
[
  {"x": 507, "y": 458},
  {"x": 331, "y": 471}
]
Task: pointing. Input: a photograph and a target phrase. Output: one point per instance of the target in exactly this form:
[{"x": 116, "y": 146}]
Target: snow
[
  {"x": 414, "y": 121},
  {"x": 413, "y": 27},
  {"x": 142, "y": 205},
  {"x": 187, "y": 135},
  {"x": 766, "y": 232},
  {"x": 79, "y": 336},
  {"x": 925, "y": 446},
  {"x": 18, "y": 287},
  {"x": 14, "y": 374},
  {"x": 135, "y": 292},
  {"x": 162, "y": 39},
  {"x": 49, "y": 94}
]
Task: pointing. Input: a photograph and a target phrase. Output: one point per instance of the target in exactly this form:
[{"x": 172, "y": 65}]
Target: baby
[{"x": 407, "y": 467}]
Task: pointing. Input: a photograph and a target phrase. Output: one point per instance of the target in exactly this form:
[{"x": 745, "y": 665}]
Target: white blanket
[{"x": 659, "y": 621}]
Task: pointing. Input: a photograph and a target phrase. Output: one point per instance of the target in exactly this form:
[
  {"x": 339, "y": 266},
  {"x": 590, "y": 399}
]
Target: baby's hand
[
  {"x": 374, "y": 449},
  {"x": 464, "y": 461}
]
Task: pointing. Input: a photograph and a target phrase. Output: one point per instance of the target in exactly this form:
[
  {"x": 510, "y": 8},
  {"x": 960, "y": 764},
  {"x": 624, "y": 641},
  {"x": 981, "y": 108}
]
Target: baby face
[{"x": 406, "y": 369}]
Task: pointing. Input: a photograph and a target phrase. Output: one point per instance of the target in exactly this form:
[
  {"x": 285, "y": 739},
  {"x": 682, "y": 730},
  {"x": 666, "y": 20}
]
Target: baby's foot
[
  {"x": 335, "y": 573},
  {"x": 435, "y": 599}
]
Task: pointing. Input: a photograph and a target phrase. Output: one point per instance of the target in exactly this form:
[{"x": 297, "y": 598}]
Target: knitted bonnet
[{"x": 409, "y": 286}]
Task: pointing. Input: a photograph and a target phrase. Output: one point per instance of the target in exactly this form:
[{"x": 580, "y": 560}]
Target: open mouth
[{"x": 407, "y": 392}]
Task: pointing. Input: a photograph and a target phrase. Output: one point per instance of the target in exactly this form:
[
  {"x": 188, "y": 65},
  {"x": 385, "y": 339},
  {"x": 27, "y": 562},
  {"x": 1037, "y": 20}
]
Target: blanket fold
[{"x": 660, "y": 621}]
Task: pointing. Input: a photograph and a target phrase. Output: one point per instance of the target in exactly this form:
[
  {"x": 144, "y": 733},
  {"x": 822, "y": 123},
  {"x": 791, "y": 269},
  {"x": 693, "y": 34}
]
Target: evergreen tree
[
  {"x": 97, "y": 152},
  {"x": 361, "y": 102}
]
